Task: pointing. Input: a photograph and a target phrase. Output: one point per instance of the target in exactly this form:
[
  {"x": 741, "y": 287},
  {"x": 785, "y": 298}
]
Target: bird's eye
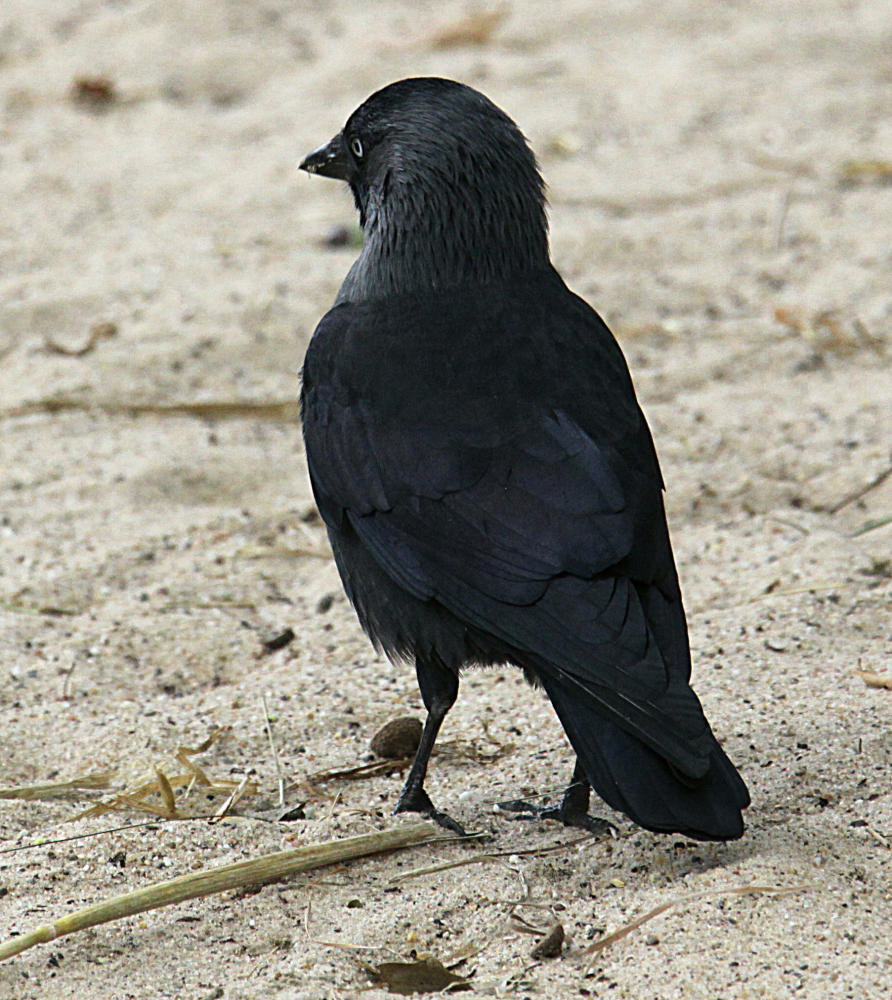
[{"x": 356, "y": 148}]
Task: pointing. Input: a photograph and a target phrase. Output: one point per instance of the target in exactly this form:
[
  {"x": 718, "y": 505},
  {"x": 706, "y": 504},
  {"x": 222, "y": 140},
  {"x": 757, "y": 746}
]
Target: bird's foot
[
  {"x": 566, "y": 813},
  {"x": 419, "y": 801},
  {"x": 579, "y": 819}
]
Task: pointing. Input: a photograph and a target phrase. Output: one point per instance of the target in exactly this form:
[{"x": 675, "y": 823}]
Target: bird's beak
[{"x": 329, "y": 160}]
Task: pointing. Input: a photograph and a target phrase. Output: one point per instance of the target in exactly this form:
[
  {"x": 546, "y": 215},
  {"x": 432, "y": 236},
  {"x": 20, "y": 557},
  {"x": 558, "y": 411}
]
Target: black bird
[{"x": 488, "y": 481}]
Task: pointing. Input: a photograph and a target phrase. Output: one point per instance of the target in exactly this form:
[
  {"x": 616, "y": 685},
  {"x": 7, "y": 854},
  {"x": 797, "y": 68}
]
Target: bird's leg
[
  {"x": 573, "y": 810},
  {"x": 439, "y": 689}
]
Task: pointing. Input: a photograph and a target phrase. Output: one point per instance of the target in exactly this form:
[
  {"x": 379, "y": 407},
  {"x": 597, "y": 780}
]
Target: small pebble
[
  {"x": 278, "y": 641},
  {"x": 94, "y": 92},
  {"x": 551, "y": 945}
]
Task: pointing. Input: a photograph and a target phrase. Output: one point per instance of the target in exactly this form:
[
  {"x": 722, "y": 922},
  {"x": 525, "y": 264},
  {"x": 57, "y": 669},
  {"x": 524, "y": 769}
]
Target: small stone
[
  {"x": 324, "y": 604},
  {"x": 278, "y": 641},
  {"x": 93, "y": 92},
  {"x": 293, "y": 814},
  {"x": 551, "y": 945},
  {"x": 398, "y": 738}
]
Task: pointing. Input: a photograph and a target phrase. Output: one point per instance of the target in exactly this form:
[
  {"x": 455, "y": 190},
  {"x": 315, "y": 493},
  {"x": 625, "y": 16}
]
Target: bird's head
[{"x": 446, "y": 186}]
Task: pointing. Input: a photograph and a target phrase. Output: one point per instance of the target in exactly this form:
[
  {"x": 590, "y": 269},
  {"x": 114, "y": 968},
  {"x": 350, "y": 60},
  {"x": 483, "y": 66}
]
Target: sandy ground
[{"x": 712, "y": 194}]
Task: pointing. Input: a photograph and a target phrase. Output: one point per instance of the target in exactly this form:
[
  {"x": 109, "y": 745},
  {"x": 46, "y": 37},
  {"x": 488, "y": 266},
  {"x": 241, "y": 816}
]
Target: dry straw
[{"x": 257, "y": 871}]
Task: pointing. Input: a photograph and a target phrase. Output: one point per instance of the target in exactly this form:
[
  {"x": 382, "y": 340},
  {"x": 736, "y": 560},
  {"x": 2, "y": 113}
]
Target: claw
[
  {"x": 565, "y": 813},
  {"x": 419, "y": 801},
  {"x": 581, "y": 820},
  {"x": 520, "y": 808},
  {"x": 447, "y": 822}
]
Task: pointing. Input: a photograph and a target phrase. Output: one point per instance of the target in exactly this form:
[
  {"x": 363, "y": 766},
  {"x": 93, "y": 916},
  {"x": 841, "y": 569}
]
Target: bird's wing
[
  {"x": 528, "y": 512},
  {"x": 505, "y": 518}
]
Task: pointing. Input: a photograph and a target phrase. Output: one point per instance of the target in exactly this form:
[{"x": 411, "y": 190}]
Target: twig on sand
[
  {"x": 280, "y": 777},
  {"x": 744, "y": 890},
  {"x": 59, "y": 789},
  {"x": 222, "y": 409},
  {"x": 877, "y": 480},
  {"x": 257, "y": 871},
  {"x": 492, "y": 856}
]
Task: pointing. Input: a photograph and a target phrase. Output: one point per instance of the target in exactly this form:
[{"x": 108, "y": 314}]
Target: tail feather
[{"x": 636, "y": 780}]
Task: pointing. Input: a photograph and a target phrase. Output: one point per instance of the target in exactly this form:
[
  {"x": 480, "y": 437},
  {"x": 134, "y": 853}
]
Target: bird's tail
[{"x": 636, "y": 780}]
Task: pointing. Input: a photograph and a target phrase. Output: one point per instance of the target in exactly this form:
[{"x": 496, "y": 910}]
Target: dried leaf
[
  {"x": 860, "y": 173},
  {"x": 136, "y": 797},
  {"x": 170, "y": 801},
  {"x": 204, "y": 745},
  {"x": 425, "y": 975},
  {"x": 237, "y": 793},
  {"x": 874, "y": 680},
  {"x": 58, "y": 789},
  {"x": 789, "y": 318},
  {"x": 198, "y": 772}
]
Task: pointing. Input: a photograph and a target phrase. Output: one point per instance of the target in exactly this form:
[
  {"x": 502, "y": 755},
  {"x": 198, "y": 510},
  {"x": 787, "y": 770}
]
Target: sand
[{"x": 714, "y": 193}]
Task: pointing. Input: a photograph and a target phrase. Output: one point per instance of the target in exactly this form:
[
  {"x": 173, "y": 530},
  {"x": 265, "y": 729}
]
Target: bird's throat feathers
[{"x": 450, "y": 218}]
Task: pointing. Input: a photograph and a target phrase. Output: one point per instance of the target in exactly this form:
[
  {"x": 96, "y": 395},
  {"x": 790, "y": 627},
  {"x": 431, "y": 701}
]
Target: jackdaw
[{"x": 488, "y": 481}]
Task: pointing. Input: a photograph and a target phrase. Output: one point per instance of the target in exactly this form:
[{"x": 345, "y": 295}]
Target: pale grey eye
[{"x": 356, "y": 148}]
